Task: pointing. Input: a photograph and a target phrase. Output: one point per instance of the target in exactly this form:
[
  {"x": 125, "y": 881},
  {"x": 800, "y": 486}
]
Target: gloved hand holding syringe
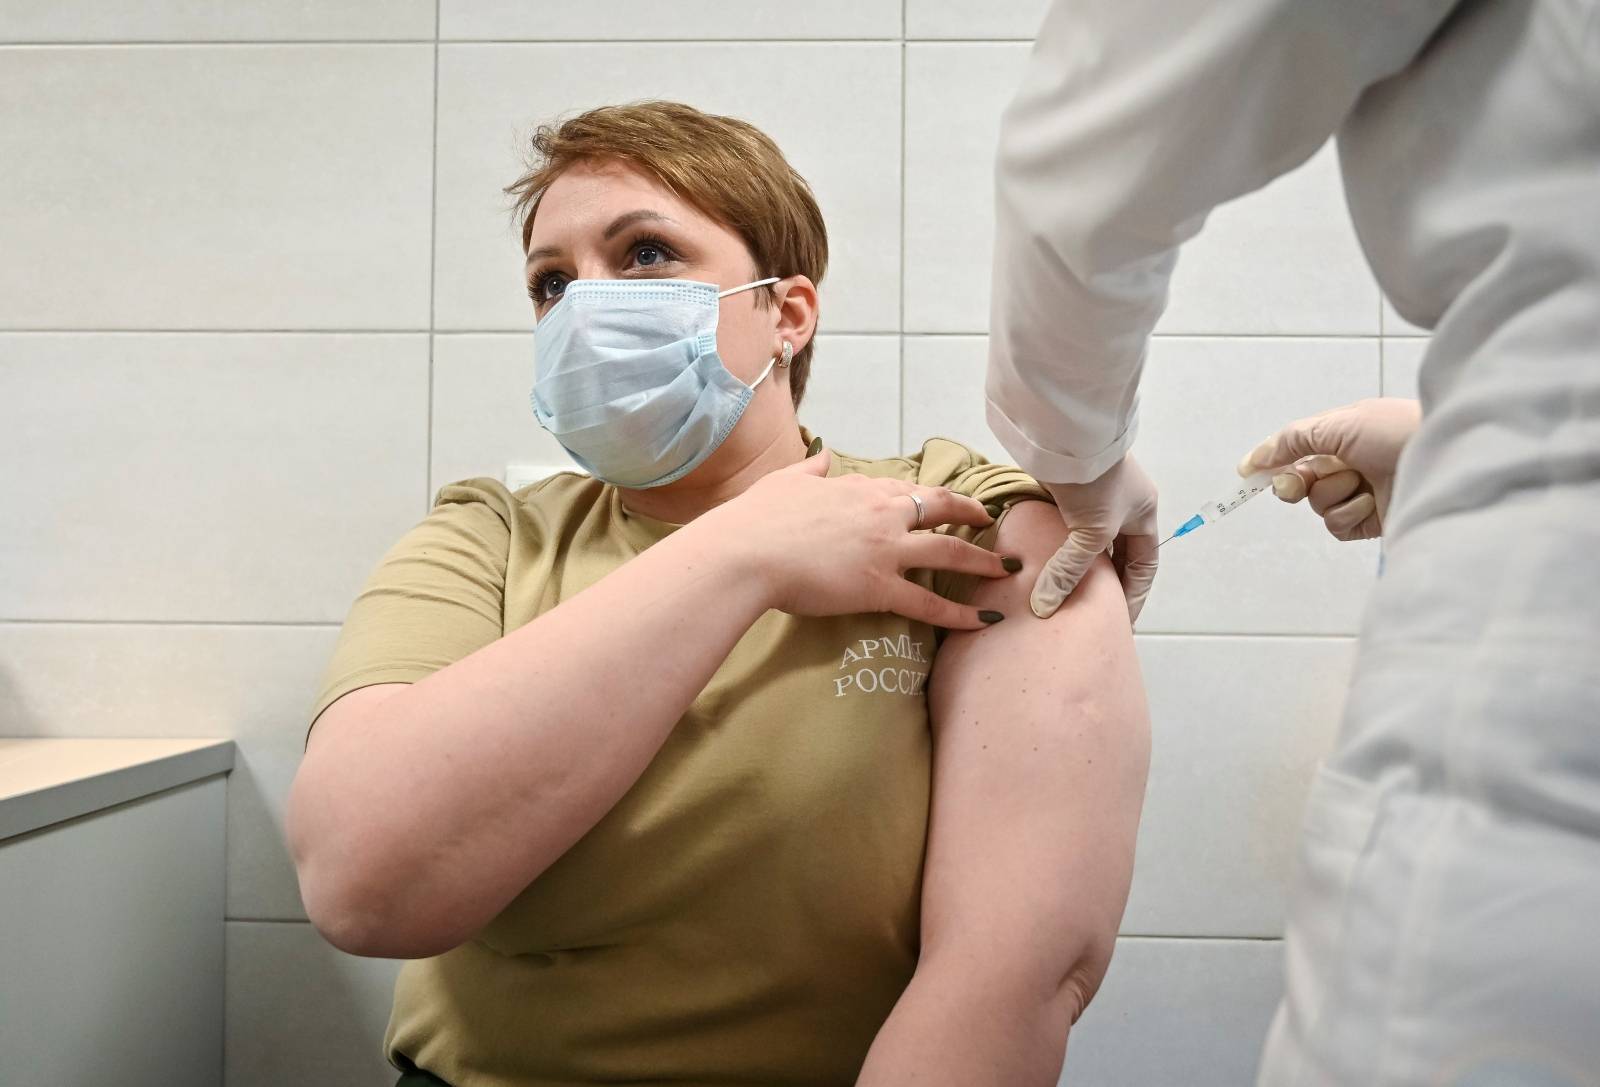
[{"x": 1342, "y": 459}]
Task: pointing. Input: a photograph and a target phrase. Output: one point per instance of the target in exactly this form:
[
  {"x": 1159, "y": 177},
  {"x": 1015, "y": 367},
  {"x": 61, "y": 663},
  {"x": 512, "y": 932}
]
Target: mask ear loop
[
  {"x": 788, "y": 356},
  {"x": 788, "y": 348},
  {"x": 747, "y": 286}
]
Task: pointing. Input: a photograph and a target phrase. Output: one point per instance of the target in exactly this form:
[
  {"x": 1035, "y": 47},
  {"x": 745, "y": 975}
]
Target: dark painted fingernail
[
  {"x": 1011, "y": 563},
  {"x": 991, "y": 509},
  {"x": 814, "y": 448},
  {"x": 990, "y": 616}
]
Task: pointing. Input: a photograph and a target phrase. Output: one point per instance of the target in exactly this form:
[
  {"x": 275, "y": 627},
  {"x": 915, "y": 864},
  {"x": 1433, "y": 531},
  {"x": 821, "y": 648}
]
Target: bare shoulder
[
  {"x": 1033, "y": 525},
  {"x": 1032, "y": 531},
  {"x": 348, "y": 707}
]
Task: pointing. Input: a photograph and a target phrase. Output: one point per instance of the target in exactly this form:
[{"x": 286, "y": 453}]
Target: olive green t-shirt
[{"x": 748, "y": 911}]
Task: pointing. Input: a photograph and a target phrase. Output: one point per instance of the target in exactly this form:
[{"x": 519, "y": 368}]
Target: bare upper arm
[
  {"x": 346, "y": 707},
  {"x": 1041, "y": 748}
]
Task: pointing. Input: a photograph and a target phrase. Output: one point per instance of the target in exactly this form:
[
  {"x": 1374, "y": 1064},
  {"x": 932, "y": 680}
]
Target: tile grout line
[
  {"x": 971, "y": 335},
  {"x": 192, "y": 331},
  {"x": 1310, "y": 637},
  {"x": 1164, "y": 936},
  {"x": 270, "y": 920},
  {"x": 312, "y": 624},
  {"x": 1174, "y": 937},
  {"x": 1383, "y": 368},
  {"x": 900, "y": 398},
  {"x": 1167, "y": 936},
  {"x": 433, "y": 262},
  {"x": 169, "y": 43}
]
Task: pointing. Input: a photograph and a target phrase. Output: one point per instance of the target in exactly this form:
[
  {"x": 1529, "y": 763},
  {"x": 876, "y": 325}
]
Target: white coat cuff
[{"x": 1049, "y": 466}]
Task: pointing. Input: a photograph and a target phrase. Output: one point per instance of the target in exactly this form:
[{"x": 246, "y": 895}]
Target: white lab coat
[{"x": 1445, "y": 921}]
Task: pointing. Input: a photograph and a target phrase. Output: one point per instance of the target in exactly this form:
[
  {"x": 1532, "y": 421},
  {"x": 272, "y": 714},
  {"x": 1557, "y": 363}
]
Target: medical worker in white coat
[{"x": 1445, "y": 921}]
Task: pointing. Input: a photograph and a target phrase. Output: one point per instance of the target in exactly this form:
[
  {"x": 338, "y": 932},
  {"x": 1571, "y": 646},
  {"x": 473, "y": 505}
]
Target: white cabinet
[{"x": 111, "y": 911}]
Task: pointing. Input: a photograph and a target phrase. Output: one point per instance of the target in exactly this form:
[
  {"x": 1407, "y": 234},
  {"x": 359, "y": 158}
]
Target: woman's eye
[
  {"x": 651, "y": 252},
  {"x": 548, "y": 287}
]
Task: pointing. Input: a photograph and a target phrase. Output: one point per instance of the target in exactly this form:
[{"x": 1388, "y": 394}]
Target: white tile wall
[
  {"x": 1402, "y": 358},
  {"x": 250, "y": 682},
  {"x": 225, "y": 187},
  {"x": 1396, "y": 325},
  {"x": 192, "y": 21},
  {"x": 482, "y": 419},
  {"x": 1178, "y": 1013},
  {"x": 944, "y": 391},
  {"x": 942, "y": 19},
  {"x": 845, "y": 141},
  {"x": 205, "y": 476},
  {"x": 1237, "y": 727},
  {"x": 1284, "y": 261},
  {"x": 300, "y": 1011},
  {"x": 954, "y": 95},
  {"x": 683, "y": 20},
  {"x": 280, "y": 302},
  {"x": 1267, "y": 568},
  {"x": 1247, "y": 273},
  {"x": 852, "y": 400}
]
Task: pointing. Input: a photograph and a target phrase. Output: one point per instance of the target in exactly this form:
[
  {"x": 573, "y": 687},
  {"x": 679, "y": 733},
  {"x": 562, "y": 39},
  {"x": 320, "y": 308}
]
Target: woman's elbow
[
  {"x": 367, "y": 922},
  {"x": 1077, "y": 986},
  {"x": 344, "y": 925},
  {"x": 357, "y": 904},
  {"x": 1062, "y": 985},
  {"x": 1029, "y": 985}
]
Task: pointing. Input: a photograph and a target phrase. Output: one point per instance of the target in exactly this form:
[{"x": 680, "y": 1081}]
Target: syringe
[{"x": 1243, "y": 491}]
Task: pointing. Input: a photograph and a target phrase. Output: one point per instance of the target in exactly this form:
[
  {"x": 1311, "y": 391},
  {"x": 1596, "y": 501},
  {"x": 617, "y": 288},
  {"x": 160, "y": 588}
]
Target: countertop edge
[{"x": 55, "y": 803}]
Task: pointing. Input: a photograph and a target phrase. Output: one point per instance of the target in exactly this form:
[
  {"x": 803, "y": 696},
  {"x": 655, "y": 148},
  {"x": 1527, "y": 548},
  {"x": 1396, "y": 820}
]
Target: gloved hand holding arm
[
  {"x": 1118, "y": 508},
  {"x": 1343, "y": 460}
]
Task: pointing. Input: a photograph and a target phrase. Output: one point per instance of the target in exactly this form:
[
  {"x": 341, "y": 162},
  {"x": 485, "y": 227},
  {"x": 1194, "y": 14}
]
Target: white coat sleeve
[{"x": 1134, "y": 120}]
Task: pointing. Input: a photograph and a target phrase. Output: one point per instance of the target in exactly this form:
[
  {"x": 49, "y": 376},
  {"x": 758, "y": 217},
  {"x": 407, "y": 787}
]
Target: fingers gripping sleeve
[{"x": 949, "y": 464}]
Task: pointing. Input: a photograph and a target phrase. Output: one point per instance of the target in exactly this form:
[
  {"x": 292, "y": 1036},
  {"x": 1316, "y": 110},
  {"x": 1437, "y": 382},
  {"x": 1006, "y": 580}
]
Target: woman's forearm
[{"x": 424, "y": 817}]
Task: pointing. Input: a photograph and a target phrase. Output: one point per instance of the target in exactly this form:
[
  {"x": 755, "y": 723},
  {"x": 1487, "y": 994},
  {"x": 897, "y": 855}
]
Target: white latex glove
[
  {"x": 1343, "y": 460},
  {"x": 1115, "y": 513}
]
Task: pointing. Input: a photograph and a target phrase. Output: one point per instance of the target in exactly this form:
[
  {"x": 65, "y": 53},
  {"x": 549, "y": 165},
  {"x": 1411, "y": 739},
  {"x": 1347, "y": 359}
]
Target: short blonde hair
[{"x": 728, "y": 169}]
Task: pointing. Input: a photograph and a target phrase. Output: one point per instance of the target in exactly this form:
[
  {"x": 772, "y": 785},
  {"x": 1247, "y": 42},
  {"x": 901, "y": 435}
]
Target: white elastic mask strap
[
  {"x": 747, "y": 286},
  {"x": 757, "y": 383}
]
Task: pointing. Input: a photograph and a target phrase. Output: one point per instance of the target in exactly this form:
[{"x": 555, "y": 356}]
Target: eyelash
[{"x": 536, "y": 287}]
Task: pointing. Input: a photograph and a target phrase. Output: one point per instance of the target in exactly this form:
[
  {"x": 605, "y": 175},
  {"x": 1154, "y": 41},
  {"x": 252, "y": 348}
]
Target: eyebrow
[{"x": 618, "y": 225}]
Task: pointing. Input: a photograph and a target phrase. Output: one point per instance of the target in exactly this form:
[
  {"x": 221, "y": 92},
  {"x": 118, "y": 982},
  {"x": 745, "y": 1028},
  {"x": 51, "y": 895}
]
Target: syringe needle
[
  {"x": 1184, "y": 529},
  {"x": 1245, "y": 490}
]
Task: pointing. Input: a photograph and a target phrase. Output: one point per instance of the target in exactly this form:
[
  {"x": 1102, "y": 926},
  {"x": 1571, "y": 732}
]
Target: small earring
[{"x": 788, "y": 354}]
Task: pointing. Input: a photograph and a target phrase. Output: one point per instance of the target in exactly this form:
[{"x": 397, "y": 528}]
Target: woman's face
[{"x": 607, "y": 220}]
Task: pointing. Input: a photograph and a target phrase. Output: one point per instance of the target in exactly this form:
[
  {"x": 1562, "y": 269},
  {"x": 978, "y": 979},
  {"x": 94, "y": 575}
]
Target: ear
[{"x": 797, "y": 313}]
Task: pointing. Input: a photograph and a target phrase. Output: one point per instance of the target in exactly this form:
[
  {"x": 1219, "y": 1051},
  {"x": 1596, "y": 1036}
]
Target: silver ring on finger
[{"x": 920, "y": 511}]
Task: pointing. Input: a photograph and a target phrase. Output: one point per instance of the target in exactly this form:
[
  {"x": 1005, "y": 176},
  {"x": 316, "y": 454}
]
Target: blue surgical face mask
[{"x": 628, "y": 379}]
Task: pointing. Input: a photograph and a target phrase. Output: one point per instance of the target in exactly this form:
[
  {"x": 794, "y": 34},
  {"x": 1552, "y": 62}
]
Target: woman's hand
[{"x": 840, "y": 546}]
